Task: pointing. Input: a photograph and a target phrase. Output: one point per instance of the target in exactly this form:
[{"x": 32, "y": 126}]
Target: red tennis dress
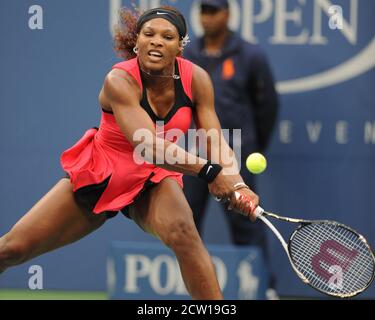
[{"x": 100, "y": 165}]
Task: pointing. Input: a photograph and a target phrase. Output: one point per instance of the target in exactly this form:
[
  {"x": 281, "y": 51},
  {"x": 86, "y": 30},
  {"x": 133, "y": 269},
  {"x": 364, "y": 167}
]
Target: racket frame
[{"x": 262, "y": 215}]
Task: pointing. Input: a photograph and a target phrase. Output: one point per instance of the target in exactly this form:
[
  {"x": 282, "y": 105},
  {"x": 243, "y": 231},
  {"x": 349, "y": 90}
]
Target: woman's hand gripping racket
[{"x": 329, "y": 256}]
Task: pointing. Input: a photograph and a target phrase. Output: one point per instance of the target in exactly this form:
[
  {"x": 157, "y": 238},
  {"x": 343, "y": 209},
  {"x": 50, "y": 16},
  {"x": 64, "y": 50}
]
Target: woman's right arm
[{"x": 121, "y": 94}]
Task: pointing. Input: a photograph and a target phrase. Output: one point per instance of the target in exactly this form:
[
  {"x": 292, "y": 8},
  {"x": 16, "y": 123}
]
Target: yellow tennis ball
[{"x": 256, "y": 163}]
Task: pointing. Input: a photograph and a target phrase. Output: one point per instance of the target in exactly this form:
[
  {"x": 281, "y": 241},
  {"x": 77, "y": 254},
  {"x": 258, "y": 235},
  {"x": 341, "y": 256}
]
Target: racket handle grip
[{"x": 259, "y": 211}]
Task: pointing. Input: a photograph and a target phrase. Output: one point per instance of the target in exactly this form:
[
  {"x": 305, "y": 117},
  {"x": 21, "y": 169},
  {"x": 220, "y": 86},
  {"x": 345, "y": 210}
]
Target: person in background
[{"x": 245, "y": 98}]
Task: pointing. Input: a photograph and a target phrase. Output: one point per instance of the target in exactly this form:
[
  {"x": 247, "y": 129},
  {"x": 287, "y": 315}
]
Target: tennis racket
[{"x": 327, "y": 255}]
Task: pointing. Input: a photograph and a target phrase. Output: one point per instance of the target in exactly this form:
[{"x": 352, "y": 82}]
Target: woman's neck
[
  {"x": 156, "y": 83},
  {"x": 160, "y": 80}
]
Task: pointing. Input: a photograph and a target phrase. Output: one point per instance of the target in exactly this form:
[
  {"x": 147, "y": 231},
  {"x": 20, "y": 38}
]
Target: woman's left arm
[{"x": 218, "y": 150}]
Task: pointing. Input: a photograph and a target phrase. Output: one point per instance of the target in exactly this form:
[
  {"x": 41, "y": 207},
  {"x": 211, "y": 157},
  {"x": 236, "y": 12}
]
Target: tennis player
[{"x": 104, "y": 175}]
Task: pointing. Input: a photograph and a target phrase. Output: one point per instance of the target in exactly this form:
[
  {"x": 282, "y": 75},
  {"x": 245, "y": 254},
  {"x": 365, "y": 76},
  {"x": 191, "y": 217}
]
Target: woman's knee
[{"x": 181, "y": 234}]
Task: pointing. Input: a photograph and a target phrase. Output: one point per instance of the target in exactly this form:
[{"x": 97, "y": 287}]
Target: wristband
[{"x": 209, "y": 171}]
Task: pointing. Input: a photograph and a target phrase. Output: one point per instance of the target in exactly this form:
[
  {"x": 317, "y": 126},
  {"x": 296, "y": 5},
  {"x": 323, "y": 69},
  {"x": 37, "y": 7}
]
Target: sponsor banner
[{"x": 150, "y": 271}]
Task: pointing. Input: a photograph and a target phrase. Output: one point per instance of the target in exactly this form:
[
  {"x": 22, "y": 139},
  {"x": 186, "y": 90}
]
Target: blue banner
[{"x": 150, "y": 271}]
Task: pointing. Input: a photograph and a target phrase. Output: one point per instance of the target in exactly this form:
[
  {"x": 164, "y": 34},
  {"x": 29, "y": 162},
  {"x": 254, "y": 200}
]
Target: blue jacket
[{"x": 245, "y": 96}]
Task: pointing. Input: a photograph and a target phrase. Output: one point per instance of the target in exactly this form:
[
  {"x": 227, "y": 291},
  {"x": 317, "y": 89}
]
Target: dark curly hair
[{"x": 125, "y": 35}]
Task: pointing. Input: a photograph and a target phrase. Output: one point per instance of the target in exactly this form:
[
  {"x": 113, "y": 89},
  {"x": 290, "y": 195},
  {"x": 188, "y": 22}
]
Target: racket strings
[
  {"x": 304, "y": 260},
  {"x": 349, "y": 238},
  {"x": 315, "y": 280},
  {"x": 331, "y": 245},
  {"x": 331, "y": 258}
]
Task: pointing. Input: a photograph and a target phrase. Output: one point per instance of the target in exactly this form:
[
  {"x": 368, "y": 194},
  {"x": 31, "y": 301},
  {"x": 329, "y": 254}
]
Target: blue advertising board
[{"x": 150, "y": 271}]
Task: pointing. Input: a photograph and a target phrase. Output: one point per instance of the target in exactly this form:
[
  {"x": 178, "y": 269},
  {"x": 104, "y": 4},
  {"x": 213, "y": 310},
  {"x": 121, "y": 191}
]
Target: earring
[{"x": 135, "y": 49}]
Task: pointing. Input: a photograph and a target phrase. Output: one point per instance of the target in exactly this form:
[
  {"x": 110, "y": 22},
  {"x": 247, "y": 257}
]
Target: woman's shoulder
[
  {"x": 127, "y": 65},
  {"x": 201, "y": 82},
  {"x": 119, "y": 85},
  {"x": 128, "y": 68},
  {"x": 190, "y": 69},
  {"x": 199, "y": 75},
  {"x": 184, "y": 63}
]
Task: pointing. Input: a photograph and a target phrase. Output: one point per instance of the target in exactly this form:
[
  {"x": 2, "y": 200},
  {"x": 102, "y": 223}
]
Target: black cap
[{"x": 219, "y": 4}]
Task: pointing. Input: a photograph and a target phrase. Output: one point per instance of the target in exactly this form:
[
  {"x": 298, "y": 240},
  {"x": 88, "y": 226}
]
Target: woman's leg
[
  {"x": 164, "y": 212},
  {"x": 56, "y": 220}
]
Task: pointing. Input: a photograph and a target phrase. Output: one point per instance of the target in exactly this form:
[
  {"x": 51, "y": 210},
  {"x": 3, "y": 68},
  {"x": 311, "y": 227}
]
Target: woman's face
[{"x": 158, "y": 45}]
